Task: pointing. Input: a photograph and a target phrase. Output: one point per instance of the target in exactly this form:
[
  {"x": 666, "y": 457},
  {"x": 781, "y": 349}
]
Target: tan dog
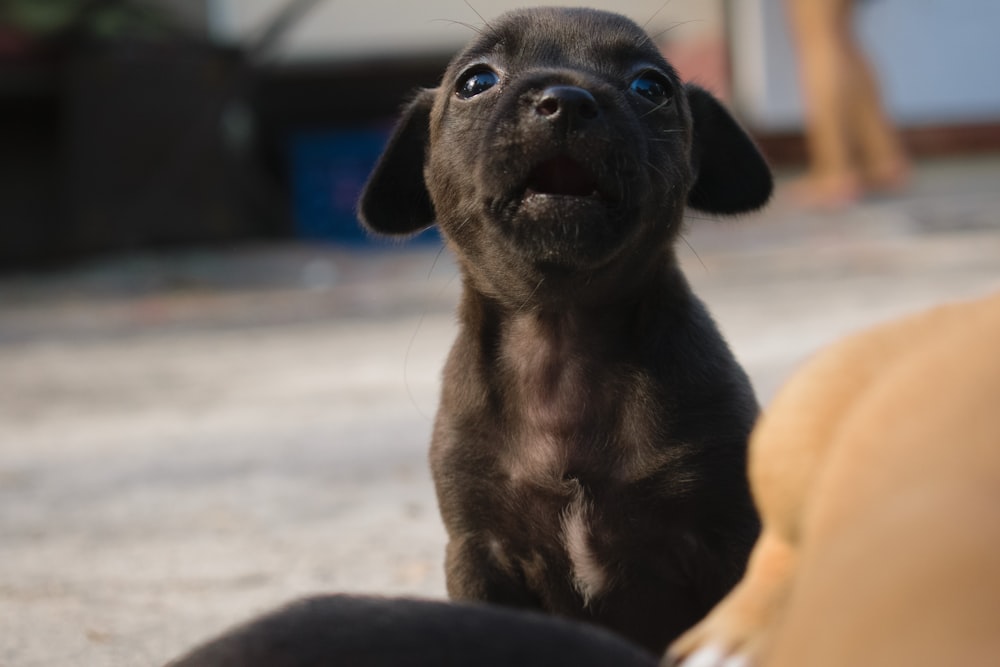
[{"x": 877, "y": 474}]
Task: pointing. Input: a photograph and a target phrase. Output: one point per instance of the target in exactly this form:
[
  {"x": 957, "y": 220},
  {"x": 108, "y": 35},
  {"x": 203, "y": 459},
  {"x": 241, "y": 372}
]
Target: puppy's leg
[
  {"x": 735, "y": 632},
  {"x": 476, "y": 572}
]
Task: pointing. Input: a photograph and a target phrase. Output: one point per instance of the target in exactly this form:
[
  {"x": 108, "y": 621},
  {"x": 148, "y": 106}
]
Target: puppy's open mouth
[{"x": 562, "y": 176}]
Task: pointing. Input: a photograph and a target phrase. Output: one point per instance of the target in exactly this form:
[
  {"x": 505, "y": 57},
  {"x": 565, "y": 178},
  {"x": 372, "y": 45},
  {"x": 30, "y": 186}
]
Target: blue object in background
[{"x": 329, "y": 169}]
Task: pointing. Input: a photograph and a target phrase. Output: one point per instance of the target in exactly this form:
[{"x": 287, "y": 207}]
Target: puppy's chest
[
  {"x": 562, "y": 518},
  {"x": 568, "y": 445},
  {"x": 567, "y": 418}
]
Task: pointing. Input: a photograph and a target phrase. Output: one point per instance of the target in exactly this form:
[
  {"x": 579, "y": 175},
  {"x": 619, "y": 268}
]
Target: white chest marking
[{"x": 589, "y": 578}]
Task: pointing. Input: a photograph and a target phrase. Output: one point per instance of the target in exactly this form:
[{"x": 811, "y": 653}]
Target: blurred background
[{"x": 216, "y": 392}]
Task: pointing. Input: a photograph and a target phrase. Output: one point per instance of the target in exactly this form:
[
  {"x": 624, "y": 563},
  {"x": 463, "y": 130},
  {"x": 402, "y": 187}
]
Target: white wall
[
  {"x": 937, "y": 60},
  {"x": 351, "y": 29}
]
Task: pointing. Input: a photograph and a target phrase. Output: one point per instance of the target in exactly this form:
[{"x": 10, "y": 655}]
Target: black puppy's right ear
[{"x": 395, "y": 200}]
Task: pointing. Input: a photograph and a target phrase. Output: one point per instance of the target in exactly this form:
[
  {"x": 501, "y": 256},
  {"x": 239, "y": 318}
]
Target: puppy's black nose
[{"x": 568, "y": 103}]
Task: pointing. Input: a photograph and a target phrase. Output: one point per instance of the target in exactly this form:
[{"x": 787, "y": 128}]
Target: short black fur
[
  {"x": 346, "y": 631},
  {"x": 589, "y": 449}
]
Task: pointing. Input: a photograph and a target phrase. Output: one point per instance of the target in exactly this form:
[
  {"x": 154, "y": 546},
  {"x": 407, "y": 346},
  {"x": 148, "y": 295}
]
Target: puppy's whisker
[
  {"x": 460, "y": 225},
  {"x": 481, "y": 18},
  {"x": 664, "y": 138},
  {"x": 655, "y": 109},
  {"x": 471, "y": 27},
  {"x": 437, "y": 256},
  {"x": 658, "y": 36},
  {"x": 705, "y": 218},
  {"x": 527, "y": 299},
  {"x": 691, "y": 248},
  {"x": 663, "y": 174},
  {"x": 652, "y": 18},
  {"x": 646, "y": 42},
  {"x": 416, "y": 332},
  {"x": 406, "y": 366}
]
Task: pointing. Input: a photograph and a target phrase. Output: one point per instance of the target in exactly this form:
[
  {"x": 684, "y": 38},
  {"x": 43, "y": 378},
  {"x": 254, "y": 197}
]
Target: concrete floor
[{"x": 188, "y": 439}]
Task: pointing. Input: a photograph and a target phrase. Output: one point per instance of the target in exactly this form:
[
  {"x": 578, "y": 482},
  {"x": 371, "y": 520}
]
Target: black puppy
[
  {"x": 343, "y": 631},
  {"x": 589, "y": 448}
]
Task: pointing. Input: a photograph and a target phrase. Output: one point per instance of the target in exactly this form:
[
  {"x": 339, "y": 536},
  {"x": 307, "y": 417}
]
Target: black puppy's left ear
[
  {"x": 395, "y": 200},
  {"x": 731, "y": 176}
]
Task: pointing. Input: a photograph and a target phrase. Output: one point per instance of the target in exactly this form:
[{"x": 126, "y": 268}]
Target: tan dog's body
[{"x": 877, "y": 474}]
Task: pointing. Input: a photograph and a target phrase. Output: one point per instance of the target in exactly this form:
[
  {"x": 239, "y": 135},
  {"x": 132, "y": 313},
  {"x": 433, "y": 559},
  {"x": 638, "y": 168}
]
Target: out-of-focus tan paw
[
  {"x": 717, "y": 641},
  {"x": 713, "y": 656},
  {"x": 735, "y": 633}
]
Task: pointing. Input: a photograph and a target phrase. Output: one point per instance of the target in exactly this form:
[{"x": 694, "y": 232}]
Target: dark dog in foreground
[
  {"x": 371, "y": 632},
  {"x": 589, "y": 449}
]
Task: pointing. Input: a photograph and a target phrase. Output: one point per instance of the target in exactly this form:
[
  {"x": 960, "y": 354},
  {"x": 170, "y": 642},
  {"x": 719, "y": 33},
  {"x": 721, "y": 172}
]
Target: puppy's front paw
[
  {"x": 706, "y": 646},
  {"x": 735, "y": 633},
  {"x": 708, "y": 656}
]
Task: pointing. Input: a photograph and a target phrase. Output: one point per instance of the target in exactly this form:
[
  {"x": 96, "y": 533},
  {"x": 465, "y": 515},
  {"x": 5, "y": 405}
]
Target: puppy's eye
[
  {"x": 653, "y": 86},
  {"x": 476, "y": 81}
]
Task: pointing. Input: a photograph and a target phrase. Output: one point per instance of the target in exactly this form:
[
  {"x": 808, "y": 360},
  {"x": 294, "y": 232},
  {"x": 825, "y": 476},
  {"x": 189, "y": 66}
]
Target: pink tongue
[{"x": 562, "y": 176}]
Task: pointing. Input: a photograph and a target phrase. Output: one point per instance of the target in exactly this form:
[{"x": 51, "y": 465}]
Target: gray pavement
[{"x": 188, "y": 439}]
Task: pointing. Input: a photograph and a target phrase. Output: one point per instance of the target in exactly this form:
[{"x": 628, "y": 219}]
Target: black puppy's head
[{"x": 560, "y": 142}]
